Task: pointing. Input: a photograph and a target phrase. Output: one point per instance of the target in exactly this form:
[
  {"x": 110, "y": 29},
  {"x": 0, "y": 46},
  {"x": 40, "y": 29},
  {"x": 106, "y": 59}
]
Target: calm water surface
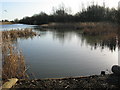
[{"x": 61, "y": 53}]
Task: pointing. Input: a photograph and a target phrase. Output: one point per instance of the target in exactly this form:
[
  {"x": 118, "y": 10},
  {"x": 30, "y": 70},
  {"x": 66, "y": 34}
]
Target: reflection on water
[
  {"x": 108, "y": 41},
  {"x": 61, "y": 53}
]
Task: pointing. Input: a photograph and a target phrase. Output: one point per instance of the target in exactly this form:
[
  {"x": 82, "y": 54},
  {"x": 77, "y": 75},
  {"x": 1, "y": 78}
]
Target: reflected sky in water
[{"x": 60, "y": 54}]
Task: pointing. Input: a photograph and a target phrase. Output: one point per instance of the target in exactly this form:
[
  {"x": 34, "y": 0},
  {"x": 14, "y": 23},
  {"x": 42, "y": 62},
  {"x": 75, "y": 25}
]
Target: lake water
[{"x": 64, "y": 53}]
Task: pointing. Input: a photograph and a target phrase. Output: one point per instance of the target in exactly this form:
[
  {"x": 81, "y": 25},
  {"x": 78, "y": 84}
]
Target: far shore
[
  {"x": 75, "y": 25},
  {"x": 4, "y": 23}
]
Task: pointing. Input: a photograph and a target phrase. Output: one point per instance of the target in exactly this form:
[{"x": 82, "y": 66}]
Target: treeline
[{"x": 93, "y": 13}]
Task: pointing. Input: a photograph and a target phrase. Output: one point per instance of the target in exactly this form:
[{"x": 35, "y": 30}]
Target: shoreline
[
  {"x": 108, "y": 81},
  {"x": 76, "y": 25}
]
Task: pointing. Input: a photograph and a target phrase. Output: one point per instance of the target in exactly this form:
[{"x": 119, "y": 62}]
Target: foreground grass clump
[
  {"x": 13, "y": 62},
  {"x": 12, "y": 58}
]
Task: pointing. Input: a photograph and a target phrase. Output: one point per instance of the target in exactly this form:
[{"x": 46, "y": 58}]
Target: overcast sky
[{"x": 11, "y": 9}]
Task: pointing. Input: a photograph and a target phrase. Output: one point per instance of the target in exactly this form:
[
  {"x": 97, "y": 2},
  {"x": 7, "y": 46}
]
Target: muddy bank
[{"x": 109, "y": 81}]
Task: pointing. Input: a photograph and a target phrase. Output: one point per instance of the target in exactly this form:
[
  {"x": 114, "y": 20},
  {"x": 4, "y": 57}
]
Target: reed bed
[
  {"x": 14, "y": 34},
  {"x": 99, "y": 28},
  {"x": 107, "y": 32},
  {"x": 13, "y": 62}
]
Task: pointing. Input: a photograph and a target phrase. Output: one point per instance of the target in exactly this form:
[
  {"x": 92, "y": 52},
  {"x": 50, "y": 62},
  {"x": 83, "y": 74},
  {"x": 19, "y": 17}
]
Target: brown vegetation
[
  {"x": 61, "y": 26},
  {"x": 12, "y": 58},
  {"x": 99, "y": 28},
  {"x": 4, "y": 23},
  {"x": 107, "y": 33},
  {"x": 13, "y": 62},
  {"x": 14, "y": 34}
]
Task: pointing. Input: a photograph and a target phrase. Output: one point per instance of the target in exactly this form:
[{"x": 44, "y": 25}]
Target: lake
[{"x": 63, "y": 53}]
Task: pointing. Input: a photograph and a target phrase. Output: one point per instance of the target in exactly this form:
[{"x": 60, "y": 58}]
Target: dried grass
[
  {"x": 13, "y": 62},
  {"x": 14, "y": 34},
  {"x": 99, "y": 28}
]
